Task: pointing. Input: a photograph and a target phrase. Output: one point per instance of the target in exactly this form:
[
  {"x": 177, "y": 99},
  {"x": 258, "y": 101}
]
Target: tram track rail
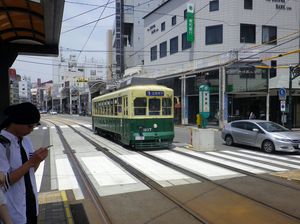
[
  {"x": 140, "y": 176},
  {"x": 154, "y": 185},
  {"x": 84, "y": 181}
]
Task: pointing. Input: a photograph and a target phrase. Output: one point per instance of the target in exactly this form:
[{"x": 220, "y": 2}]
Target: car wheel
[
  {"x": 229, "y": 140},
  {"x": 268, "y": 146}
]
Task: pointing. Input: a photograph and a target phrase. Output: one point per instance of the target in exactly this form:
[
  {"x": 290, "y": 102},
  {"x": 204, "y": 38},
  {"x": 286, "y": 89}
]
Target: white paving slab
[
  {"x": 65, "y": 175},
  {"x": 106, "y": 172},
  {"x": 207, "y": 170},
  {"x": 247, "y": 161},
  {"x": 281, "y": 157},
  {"x": 39, "y": 175},
  {"x": 272, "y": 161},
  {"x": 226, "y": 162},
  {"x": 108, "y": 177},
  {"x": 162, "y": 174}
]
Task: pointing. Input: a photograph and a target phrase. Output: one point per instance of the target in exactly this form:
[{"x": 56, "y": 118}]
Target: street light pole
[
  {"x": 70, "y": 101},
  {"x": 290, "y": 98},
  {"x": 268, "y": 96}
]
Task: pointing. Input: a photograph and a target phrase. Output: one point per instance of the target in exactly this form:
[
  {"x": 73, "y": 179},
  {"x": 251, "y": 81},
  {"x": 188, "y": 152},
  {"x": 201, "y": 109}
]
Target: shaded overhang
[
  {"x": 246, "y": 65},
  {"x": 30, "y": 27}
]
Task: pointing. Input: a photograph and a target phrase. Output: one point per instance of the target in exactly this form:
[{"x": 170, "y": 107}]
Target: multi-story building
[
  {"x": 224, "y": 44},
  {"x": 70, "y": 81},
  {"x": 128, "y": 35},
  {"x": 24, "y": 90},
  {"x": 14, "y": 86}
]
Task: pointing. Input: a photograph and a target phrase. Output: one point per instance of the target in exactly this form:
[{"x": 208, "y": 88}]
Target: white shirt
[
  {"x": 15, "y": 194},
  {"x": 2, "y": 198}
]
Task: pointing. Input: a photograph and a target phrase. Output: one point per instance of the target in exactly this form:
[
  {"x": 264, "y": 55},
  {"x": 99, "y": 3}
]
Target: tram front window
[
  {"x": 154, "y": 106},
  {"x": 140, "y": 105},
  {"x": 166, "y": 106}
]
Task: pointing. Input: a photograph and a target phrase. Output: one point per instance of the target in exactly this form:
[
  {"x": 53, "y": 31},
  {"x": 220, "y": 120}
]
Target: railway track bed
[{"x": 241, "y": 198}]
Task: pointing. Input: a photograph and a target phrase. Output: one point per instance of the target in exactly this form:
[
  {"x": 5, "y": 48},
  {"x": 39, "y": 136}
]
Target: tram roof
[
  {"x": 134, "y": 88},
  {"x": 31, "y": 26}
]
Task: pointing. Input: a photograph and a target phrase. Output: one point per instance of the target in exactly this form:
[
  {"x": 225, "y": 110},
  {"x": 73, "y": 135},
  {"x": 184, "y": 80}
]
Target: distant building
[{"x": 24, "y": 90}]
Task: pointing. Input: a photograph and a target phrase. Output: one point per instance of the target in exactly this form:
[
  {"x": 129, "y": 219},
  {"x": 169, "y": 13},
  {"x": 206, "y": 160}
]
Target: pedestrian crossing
[{"x": 111, "y": 179}]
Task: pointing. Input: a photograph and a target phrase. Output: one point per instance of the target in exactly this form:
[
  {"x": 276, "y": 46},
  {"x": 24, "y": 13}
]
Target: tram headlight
[{"x": 155, "y": 125}]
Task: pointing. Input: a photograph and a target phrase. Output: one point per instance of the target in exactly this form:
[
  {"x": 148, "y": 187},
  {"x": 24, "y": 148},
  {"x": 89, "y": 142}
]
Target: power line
[
  {"x": 93, "y": 29},
  {"x": 88, "y": 11}
]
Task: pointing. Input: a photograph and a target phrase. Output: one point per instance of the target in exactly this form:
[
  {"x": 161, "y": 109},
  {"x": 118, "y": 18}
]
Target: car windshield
[{"x": 272, "y": 127}]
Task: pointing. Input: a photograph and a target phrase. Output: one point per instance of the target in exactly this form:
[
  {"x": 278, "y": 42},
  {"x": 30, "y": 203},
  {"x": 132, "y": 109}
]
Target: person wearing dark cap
[{"x": 18, "y": 161}]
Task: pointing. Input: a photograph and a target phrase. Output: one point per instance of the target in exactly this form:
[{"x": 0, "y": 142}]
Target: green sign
[
  {"x": 204, "y": 101},
  {"x": 190, "y": 22}
]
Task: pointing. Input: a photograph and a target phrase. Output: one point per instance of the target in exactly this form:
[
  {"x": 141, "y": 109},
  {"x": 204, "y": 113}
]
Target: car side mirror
[{"x": 255, "y": 129}]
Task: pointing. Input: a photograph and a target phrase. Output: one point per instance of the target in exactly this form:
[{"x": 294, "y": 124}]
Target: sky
[{"x": 87, "y": 37}]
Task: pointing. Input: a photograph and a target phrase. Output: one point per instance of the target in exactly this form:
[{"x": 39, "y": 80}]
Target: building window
[
  {"x": 248, "y": 4},
  {"x": 185, "y": 14},
  {"x": 163, "y": 26},
  {"x": 214, "y": 5},
  {"x": 214, "y": 35},
  {"x": 273, "y": 70},
  {"x": 269, "y": 34},
  {"x": 153, "y": 53},
  {"x": 185, "y": 44},
  {"x": 163, "y": 49},
  {"x": 128, "y": 9},
  {"x": 173, "y": 20},
  {"x": 174, "y": 45},
  {"x": 247, "y": 33}
]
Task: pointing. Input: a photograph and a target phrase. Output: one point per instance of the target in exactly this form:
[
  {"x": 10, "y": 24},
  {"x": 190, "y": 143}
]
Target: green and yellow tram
[{"x": 140, "y": 116}]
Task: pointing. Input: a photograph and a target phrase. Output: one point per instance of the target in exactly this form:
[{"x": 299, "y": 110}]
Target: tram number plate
[{"x": 139, "y": 137}]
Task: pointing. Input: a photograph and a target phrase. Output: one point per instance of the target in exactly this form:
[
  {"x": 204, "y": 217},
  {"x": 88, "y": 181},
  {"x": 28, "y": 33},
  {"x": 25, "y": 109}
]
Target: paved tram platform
[{"x": 54, "y": 208}]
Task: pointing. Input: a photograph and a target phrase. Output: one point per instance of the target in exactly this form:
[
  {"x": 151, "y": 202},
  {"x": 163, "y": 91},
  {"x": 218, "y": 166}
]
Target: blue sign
[
  {"x": 154, "y": 93},
  {"x": 282, "y": 94}
]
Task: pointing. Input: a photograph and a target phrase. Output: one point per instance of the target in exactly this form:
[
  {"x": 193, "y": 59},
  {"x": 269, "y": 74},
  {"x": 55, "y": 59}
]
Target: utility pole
[{"x": 294, "y": 72}]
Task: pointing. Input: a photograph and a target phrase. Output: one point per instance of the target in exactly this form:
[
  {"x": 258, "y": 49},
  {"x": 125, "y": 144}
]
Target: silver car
[{"x": 266, "y": 135}]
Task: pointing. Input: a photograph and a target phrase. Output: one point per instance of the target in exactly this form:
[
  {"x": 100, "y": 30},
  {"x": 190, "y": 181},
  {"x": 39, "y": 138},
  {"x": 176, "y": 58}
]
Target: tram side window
[
  {"x": 115, "y": 107},
  {"x": 119, "y": 104},
  {"x": 166, "y": 106},
  {"x": 154, "y": 106},
  {"x": 126, "y": 105},
  {"x": 140, "y": 105}
]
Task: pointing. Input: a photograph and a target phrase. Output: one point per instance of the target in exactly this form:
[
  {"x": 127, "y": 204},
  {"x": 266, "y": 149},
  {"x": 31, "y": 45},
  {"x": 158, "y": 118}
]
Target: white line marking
[
  {"x": 264, "y": 159},
  {"x": 106, "y": 172},
  {"x": 261, "y": 165},
  {"x": 202, "y": 168}
]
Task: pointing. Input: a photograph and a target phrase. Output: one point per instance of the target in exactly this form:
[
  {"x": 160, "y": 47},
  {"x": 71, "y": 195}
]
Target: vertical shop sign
[{"x": 190, "y": 22}]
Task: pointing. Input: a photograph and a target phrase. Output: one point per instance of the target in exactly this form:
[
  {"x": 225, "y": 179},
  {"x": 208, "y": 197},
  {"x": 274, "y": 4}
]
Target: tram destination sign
[{"x": 155, "y": 93}]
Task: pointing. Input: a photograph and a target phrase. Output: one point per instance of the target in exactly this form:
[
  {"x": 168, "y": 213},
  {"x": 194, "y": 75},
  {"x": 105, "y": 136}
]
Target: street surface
[{"x": 191, "y": 186}]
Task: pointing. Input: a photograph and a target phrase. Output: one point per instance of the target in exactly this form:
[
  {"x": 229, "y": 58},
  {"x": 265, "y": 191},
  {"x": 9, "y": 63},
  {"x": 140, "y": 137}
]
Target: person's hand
[{"x": 38, "y": 156}]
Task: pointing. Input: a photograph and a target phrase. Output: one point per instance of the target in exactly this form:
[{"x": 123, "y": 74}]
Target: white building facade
[{"x": 230, "y": 38}]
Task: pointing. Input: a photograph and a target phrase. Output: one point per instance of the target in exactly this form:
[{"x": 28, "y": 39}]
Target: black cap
[{"x": 23, "y": 113}]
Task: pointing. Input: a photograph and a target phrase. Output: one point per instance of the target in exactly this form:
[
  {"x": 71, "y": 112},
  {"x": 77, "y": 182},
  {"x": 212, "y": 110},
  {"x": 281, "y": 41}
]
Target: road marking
[
  {"x": 39, "y": 175},
  {"x": 106, "y": 172},
  {"x": 65, "y": 175},
  {"x": 226, "y": 162},
  {"x": 162, "y": 174},
  {"x": 281, "y": 157},
  {"x": 264, "y": 159},
  {"x": 246, "y": 161},
  {"x": 201, "y": 168}
]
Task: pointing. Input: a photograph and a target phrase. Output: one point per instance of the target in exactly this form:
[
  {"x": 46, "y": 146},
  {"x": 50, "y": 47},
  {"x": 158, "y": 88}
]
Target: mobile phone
[{"x": 49, "y": 146}]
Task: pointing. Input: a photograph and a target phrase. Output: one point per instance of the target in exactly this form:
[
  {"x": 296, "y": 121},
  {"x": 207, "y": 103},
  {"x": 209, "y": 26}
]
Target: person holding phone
[{"x": 18, "y": 161}]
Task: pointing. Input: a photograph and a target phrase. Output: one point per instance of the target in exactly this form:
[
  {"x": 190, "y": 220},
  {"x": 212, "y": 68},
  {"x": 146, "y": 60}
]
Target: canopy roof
[{"x": 31, "y": 27}]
